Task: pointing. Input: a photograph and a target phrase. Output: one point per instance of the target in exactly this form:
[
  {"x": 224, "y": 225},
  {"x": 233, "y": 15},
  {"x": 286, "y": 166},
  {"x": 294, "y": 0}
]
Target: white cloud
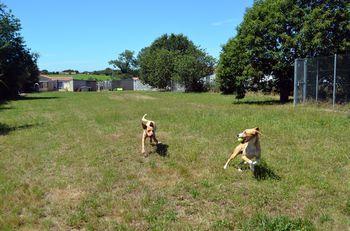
[{"x": 220, "y": 23}]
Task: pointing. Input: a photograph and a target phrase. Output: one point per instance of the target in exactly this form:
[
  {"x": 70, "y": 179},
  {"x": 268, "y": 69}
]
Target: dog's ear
[
  {"x": 257, "y": 131},
  {"x": 143, "y": 126}
]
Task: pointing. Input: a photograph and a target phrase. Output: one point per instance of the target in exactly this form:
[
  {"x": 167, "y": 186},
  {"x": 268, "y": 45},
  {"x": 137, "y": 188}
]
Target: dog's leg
[
  {"x": 143, "y": 143},
  {"x": 249, "y": 161},
  {"x": 234, "y": 154},
  {"x": 240, "y": 165},
  {"x": 155, "y": 139},
  {"x": 256, "y": 161}
]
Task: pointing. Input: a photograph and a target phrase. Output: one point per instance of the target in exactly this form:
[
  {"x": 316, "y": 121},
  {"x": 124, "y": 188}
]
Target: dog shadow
[
  {"x": 162, "y": 149},
  {"x": 263, "y": 172}
]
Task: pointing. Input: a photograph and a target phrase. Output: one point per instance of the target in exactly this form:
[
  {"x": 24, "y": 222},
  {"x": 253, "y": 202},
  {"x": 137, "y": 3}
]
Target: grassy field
[
  {"x": 73, "y": 161},
  {"x": 87, "y": 77}
]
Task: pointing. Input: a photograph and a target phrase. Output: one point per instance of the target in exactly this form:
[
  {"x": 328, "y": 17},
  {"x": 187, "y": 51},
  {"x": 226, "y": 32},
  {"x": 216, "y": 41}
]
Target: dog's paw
[
  {"x": 252, "y": 166},
  {"x": 240, "y": 170},
  {"x": 225, "y": 167}
]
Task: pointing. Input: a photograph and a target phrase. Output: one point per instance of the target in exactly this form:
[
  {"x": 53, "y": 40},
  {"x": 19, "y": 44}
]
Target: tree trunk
[
  {"x": 284, "y": 95},
  {"x": 285, "y": 84}
]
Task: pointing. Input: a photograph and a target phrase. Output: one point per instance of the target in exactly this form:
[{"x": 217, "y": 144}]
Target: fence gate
[
  {"x": 299, "y": 81},
  {"x": 322, "y": 79}
]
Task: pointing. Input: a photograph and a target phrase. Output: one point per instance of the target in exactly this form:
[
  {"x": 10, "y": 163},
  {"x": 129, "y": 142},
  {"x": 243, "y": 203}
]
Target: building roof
[
  {"x": 55, "y": 78},
  {"x": 62, "y": 78}
]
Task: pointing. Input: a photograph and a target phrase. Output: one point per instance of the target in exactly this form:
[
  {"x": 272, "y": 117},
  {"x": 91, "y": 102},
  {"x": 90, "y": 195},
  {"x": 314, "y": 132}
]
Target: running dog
[
  {"x": 249, "y": 148},
  {"x": 149, "y": 130}
]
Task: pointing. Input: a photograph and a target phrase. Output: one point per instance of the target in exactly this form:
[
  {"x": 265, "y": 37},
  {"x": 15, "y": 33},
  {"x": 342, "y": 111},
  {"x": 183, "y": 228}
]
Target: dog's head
[
  {"x": 149, "y": 127},
  {"x": 249, "y": 134}
]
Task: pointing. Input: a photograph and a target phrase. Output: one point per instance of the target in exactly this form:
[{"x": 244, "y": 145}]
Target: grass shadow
[
  {"x": 36, "y": 97},
  {"x": 260, "y": 102},
  {"x": 263, "y": 172},
  {"x": 5, "y": 129},
  {"x": 5, "y": 108},
  {"x": 162, "y": 149}
]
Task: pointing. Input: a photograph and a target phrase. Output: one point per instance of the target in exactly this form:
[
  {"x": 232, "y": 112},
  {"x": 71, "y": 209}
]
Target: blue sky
[{"x": 85, "y": 35}]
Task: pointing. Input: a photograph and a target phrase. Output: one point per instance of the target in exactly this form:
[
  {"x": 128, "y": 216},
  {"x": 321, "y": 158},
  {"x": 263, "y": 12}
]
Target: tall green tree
[
  {"x": 175, "y": 59},
  {"x": 18, "y": 68},
  {"x": 276, "y": 32},
  {"x": 126, "y": 63}
]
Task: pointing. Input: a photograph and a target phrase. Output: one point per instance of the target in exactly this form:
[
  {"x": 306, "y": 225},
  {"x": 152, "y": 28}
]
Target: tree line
[
  {"x": 259, "y": 57},
  {"x": 169, "y": 59}
]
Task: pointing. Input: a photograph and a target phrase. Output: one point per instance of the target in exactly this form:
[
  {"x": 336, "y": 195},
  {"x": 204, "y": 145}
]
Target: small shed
[{"x": 63, "y": 83}]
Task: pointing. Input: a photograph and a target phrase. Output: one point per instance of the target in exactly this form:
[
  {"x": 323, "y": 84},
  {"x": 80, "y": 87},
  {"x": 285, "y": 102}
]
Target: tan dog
[
  {"x": 149, "y": 130},
  {"x": 249, "y": 148}
]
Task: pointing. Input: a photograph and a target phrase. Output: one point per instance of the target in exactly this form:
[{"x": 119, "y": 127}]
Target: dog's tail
[{"x": 143, "y": 118}]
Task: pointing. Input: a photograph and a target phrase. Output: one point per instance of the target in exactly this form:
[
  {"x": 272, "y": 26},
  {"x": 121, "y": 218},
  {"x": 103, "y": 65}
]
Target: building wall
[
  {"x": 84, "y": 83},
  {"x": 104, "y": 85},
  {"x": 66, "y": 85},
  {"x": 92, "y": 84},
  {"x": 139, "y": 86},
  {"x": 126, "y": 84}
]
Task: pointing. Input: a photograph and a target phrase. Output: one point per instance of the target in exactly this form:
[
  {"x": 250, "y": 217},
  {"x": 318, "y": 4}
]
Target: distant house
[
  {"x": 57, "y": 83},
  {"x": 84, "y": 85},
  {"x": 63, "y": 83},
  {"x": 45, "y": 84},
  {"x": 209, "y": 81}
]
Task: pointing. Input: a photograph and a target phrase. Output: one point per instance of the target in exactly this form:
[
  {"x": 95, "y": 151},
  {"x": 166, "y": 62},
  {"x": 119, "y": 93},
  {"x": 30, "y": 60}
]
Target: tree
[
  {"x": 174, "y": 58},
  {"x": 230, "y": 69},
  {"x": 126, "y": 63},
  {"x": 18, "y": 68},
  {"x": 274, "y": 33}
]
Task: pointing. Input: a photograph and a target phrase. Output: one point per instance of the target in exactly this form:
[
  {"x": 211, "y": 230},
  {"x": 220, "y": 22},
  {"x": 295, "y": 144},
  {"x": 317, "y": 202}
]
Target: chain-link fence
[{"x": 322, "y": 79}]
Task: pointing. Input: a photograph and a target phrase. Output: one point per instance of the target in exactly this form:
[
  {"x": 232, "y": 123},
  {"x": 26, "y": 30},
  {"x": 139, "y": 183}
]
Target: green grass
[
  {"x": 87, "y": 77},
  {"x": 73, "y": 161}
]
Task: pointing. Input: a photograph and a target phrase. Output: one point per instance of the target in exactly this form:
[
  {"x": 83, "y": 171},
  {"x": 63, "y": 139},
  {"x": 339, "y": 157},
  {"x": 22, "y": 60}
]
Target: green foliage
[
  {"x": 273, "y": 34},
  {"x": 174, "y": 58},
  {"x": 126, "y": 63},
  {"x": 279, "y": 223},
  {"x": 347, "y": 207},
  {"x": 18, "y": 69},
  {"x": 222, "y": 225}
]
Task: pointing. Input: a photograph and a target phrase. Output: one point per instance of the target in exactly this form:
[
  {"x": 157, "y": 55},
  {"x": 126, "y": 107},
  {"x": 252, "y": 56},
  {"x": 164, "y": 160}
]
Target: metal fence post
[
  {"x": 334, "y": 78},
  {"x": 317, "y": 71},
  {"x": 295, "y": 97},
  {"x": 305, "y": 79}
]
